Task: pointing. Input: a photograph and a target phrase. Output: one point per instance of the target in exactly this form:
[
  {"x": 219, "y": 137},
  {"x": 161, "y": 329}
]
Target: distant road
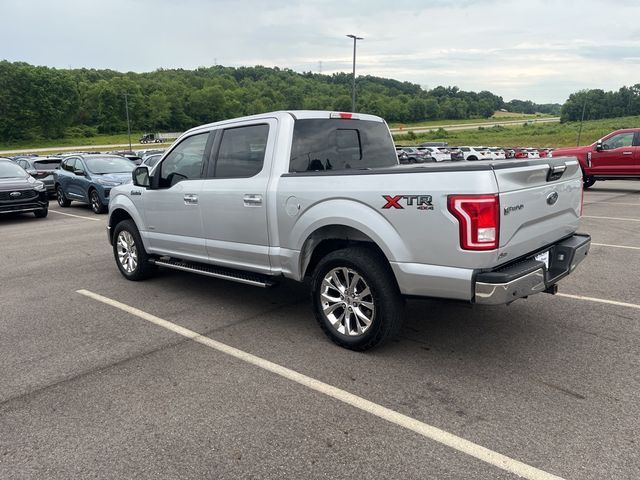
[
  {"x": 460, "y": 126},
  {"x": 136, "y": 146},
  {"x": 472, "y": 126}
]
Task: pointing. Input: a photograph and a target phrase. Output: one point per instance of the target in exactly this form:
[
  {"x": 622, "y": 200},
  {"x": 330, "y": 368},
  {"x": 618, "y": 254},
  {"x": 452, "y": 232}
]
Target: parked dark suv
[
  {"x": 89, "y": 179},
  {"x": 41, "y": 168},
  {"x": 20, "y": 192}
]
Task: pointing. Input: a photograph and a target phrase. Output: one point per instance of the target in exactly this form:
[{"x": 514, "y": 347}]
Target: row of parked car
[
  {"x": 28, "y": 181},
  {"x": 430, "y": 153}
]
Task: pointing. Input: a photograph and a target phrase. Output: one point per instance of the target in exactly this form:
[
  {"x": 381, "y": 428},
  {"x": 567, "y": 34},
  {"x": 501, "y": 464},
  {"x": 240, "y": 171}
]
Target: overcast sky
[{"x": 540, "y": 50}]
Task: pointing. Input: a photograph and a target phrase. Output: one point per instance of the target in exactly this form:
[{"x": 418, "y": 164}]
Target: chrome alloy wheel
[
  {"x": 347, "y": 301},
  {"x": 60, "y": 197},
  {"x": 96, "y": 205},
  {"x": 127, "y": 251}
]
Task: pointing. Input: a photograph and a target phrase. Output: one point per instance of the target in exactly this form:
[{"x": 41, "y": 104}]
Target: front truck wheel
[
  {"x": 356, "y": 299},
  {"x": 588, "y": 181},
  {"x": 131, "y": 257}
]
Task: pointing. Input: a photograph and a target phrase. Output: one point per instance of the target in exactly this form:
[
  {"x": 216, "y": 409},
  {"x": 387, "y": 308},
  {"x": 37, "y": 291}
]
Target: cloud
[{"x": 540, "y": 49}]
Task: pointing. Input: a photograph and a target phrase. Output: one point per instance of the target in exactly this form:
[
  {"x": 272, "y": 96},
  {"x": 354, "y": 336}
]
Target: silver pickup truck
[{"x": 321, "y": 196}]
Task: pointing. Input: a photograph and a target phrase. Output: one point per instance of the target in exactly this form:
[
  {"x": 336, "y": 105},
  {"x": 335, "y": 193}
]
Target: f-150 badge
[{"x": 421, "y": 202}]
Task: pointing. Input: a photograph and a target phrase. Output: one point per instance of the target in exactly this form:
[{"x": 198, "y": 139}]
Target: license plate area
[{"x": 544, "y": 258}]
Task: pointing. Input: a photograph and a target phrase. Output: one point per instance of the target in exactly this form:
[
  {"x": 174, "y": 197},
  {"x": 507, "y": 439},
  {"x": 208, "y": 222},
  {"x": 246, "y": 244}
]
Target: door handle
[
  {"x": 190, "y": 199},
  {"x": 627, "y": 153},
  {"x": 252, "y": 200}
]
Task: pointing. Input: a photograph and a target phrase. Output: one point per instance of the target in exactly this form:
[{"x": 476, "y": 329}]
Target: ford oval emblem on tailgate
[
  {"x": 15, "y": 194},
  {"x": 552, "y": 198}
]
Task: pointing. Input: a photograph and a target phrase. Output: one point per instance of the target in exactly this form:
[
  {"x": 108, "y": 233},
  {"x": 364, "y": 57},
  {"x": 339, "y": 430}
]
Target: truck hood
[{"x": 571, "y": 151}]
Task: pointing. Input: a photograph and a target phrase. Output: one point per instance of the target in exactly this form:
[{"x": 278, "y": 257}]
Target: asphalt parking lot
[{"x": 93, "y": 390}]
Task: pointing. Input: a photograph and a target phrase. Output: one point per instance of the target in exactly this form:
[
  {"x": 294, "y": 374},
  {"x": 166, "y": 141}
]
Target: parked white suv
[
  {"x": 475, "y": 153},
  {"x": 439, "y": 154}
]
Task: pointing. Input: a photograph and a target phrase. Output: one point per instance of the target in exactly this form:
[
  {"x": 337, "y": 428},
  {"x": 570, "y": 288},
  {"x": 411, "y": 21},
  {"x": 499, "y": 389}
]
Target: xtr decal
[{"x": 421, "y": 202}]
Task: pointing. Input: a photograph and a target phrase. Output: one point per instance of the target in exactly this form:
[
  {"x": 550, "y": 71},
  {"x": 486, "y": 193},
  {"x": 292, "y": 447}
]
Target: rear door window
[
  {"x": 340, "y": 144},
  {"x": 70, "y": 164},
  {"x": 241, "y": 152}
]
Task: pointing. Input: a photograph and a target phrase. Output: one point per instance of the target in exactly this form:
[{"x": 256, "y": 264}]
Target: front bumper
[
  {"x": 39, "y": 202},
  {"x": 529, "y": 276}
]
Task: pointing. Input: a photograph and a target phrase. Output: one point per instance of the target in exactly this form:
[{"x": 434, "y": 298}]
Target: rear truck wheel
[
  {"x": 41, "y": 213},
  {"x": 356, "y": 299},
  {"x": 128, "y": 250},
  {"x": 62, "y": 200},
  {"x": 96, "y": 203},
  {"x": 588, "y": 181}
]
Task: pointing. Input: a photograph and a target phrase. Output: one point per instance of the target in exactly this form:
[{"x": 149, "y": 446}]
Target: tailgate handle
[{"x": 555, "y": 172}]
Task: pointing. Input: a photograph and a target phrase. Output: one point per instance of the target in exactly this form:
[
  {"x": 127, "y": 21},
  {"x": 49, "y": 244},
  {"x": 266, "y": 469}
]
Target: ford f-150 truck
[
  {"x": 320, "y": 195},
  {"x": 614, "y": 157}
]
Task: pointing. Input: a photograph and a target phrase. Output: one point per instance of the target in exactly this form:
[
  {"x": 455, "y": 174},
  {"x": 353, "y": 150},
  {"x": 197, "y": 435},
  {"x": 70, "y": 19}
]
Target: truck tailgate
[{"x": 540, "y": 203}]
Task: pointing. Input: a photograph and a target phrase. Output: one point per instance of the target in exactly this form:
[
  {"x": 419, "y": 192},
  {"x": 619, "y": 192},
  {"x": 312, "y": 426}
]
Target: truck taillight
[{"x": 479, "y": 218}]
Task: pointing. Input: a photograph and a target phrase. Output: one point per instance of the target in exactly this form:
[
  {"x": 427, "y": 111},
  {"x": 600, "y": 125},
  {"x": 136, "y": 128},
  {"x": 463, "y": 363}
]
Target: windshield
[
  {"x": 11, "y": 170},
  {"x": 102, "y": 165}
]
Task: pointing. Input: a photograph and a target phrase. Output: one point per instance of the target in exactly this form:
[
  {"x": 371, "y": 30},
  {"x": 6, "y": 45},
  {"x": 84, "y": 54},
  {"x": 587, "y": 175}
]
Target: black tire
[
  {"x": 41, "y": 213},
  {"x": 143, "y": 268},
  {"x": 472, "y": 158},
  {"x": 588, "y": 181},
  {"x": 375, "y": 273},
  {"x": 63, "y": 201},
  {"x": 95, "y": 202},
  {"x": 411, "y": 160}
]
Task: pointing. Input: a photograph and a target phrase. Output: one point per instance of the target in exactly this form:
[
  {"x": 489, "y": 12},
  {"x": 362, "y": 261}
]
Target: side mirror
[
  {"x": 80, "y": 173},
  {"x": 32, "y": 172},
  {"x": 140, "y": 176},
  {"x": 599, "y": 146}
]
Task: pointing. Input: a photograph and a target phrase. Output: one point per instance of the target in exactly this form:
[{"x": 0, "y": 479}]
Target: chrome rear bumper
[{"x": 530, "y": 276}]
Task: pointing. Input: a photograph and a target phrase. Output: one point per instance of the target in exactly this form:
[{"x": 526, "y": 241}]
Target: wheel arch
[
  {"x": 335, "y": 223},
  {"x": 122, "y": 208},
  {"x": 330, "y": 238},
  {"x": 117, "y": 216}
]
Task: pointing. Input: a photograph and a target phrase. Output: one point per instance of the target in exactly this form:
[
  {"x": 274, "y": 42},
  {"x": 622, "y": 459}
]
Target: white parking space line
[
  {"x": 76, "y": 216},
  {"x": 599, "y": 300},
  {"x": 613, "y": 218},
  {"x": 614, "y": 246},
  {"x": 433, "y": 433}
]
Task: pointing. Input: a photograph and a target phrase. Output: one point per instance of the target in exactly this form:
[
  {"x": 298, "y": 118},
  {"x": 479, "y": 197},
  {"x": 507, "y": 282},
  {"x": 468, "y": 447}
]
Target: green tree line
[
  {"x": 598, "y": 104},
  {"x": 41, "y": 102}
]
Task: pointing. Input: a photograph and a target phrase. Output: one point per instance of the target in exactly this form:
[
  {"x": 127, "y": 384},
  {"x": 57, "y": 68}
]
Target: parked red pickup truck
[{"x": 616, "y": 156}]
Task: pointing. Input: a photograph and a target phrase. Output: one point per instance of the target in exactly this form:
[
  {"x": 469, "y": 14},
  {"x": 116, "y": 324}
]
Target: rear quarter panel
[{"x": 407, "y": 234}]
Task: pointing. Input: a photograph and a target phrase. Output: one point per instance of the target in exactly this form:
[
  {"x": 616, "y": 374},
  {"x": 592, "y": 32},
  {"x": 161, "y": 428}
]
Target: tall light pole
[
  {"x": 353, "y": 93},
  {"x": 126, "y": 106},
  {"x": 584, "y": 107}
]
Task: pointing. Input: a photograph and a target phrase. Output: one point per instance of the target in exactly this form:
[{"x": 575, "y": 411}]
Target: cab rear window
[{"x": 340, "y": 144}]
